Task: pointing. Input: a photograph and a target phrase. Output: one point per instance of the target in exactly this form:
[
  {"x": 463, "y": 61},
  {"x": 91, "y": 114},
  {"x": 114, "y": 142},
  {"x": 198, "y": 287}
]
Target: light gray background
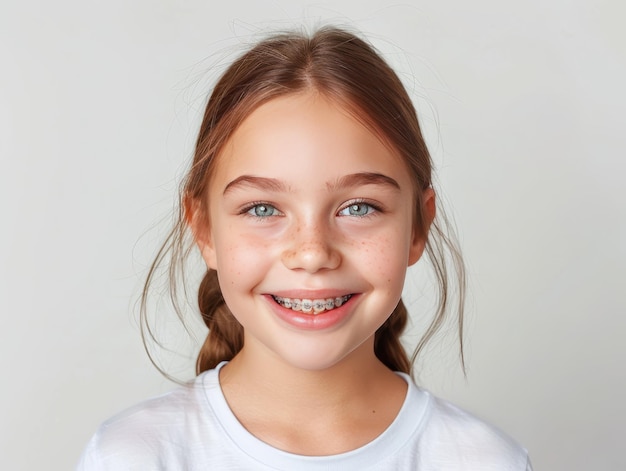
[{"x": 523, "y": 104}]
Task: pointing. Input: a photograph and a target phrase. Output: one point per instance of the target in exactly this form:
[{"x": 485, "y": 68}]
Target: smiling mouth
[{"x": 312, "y": 306}]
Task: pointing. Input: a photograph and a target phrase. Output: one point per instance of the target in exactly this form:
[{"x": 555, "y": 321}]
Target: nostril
[{"x": 311, "y": 256}]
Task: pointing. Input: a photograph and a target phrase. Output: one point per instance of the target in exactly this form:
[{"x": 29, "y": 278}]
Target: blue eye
[
  {"x": 263, "y": 210},
  {"x": 357, "y": 209}
]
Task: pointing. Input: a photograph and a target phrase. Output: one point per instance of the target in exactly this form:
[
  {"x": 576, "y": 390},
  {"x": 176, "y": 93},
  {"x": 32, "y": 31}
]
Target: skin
[{"x": 307, "y": 202}]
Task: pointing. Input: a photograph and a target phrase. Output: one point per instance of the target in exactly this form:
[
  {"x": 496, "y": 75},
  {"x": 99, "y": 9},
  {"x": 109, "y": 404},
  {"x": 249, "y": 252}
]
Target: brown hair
[{"x": 346, "y": 69}]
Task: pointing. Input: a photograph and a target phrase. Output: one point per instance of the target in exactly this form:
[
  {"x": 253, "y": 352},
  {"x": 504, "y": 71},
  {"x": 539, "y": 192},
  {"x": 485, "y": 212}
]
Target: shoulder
[
  {"x": 149, "y": 434},
  {"x": 450, "y": 431}
]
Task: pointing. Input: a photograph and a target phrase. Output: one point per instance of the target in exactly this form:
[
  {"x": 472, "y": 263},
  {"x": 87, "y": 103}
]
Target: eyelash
[
  {"x": 245, "y": 211},
  {"x": 372, "y": 209},
  {"x": 361, "y": 202}
]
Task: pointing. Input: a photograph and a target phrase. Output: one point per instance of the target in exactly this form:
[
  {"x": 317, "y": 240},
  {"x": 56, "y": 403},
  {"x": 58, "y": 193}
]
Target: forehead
[{"x": 299, "y": 136}]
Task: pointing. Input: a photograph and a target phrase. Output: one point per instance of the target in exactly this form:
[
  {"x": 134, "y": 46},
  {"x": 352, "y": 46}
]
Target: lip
[
  {"x": 310, "y": 294},
  {"x": 323, "y": 320}
]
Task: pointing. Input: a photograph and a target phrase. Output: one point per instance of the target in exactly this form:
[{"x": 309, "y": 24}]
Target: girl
[{"x": 309, "y": 196}]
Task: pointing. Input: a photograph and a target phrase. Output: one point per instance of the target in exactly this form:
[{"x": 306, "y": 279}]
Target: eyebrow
[
  {"x": 363, "y": 178},
  {"x": 347, "y": 181},
  {"x": 263, "y": 183}
]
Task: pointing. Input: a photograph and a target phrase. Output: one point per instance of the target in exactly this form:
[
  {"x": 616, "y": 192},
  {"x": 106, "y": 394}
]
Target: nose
[{"x": 311, "y": 249}]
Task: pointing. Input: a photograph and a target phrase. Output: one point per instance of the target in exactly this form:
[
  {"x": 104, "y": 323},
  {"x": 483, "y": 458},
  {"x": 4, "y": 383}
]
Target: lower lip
[{"x": 321, "y": 321}]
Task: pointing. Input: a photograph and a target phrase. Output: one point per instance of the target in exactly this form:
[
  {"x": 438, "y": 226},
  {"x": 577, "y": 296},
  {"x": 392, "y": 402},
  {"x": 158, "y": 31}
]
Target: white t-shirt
[{"x": 192, "y": 428}]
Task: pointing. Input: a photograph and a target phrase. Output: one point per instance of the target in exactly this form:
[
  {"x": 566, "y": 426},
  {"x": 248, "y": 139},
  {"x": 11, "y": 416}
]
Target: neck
[
  {"x": 269, "y": 396},
  {"x": 264, "y": 373}
]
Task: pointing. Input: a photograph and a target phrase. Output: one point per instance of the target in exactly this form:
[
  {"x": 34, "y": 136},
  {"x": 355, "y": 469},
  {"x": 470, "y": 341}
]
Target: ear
[
  {"x": 418, "y": 243},
  {"x": 197, "y": 219}
]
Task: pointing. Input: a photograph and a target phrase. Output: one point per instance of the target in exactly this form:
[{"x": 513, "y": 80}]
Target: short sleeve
[{"x": 89, "y": 459}]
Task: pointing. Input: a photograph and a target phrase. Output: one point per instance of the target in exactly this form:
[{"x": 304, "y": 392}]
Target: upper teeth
[{"x": 312, "y": 305}]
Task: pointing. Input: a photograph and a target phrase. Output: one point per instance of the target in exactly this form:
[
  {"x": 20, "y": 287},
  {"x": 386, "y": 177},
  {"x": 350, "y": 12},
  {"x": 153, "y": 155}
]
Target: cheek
[
  {"x": 240, "y": 254},
  {"x": 386, "y": 257}
]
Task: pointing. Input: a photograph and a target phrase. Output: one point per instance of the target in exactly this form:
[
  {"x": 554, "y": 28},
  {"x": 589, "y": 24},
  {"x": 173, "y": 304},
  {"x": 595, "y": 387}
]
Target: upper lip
[{"x": 310, "y": 294}]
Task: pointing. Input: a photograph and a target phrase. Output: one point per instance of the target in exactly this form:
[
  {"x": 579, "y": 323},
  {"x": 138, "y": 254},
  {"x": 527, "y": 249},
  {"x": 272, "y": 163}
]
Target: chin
[{"x": 316, "y": 357}]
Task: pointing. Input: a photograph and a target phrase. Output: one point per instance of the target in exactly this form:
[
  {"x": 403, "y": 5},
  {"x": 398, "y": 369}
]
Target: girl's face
[{"x": 311, "y": 231}]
